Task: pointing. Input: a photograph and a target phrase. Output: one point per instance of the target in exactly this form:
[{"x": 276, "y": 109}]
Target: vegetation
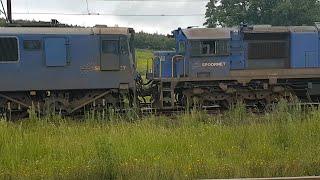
[
  {"x": 274, "y": 12},
  {"x": 144, "y": 59},
  {"x": 153, "y": 41},
  {"x": 196, "y": 145}
]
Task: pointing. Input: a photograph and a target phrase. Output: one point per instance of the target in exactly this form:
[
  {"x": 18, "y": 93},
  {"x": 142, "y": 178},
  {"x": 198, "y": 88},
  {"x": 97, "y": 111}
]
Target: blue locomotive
[
  {"x": 70, "y": 70},
  {"x": 65, "y": 69},
  {"x": 258, "y": 65}
]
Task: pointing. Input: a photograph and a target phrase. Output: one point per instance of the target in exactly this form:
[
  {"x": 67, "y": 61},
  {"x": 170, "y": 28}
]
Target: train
[
  {"x": 252, "y": 65},
  {"x": 65, "y": 70},
  {"x": 69, "y": 70}
]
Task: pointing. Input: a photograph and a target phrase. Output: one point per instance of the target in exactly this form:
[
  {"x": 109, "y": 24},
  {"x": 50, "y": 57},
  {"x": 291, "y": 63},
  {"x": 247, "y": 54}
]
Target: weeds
[{"x": 193, "y": 145}]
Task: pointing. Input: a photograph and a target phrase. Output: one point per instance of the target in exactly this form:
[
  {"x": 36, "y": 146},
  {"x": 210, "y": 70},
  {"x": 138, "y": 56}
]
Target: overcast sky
[{"x": 163, "y": 24}]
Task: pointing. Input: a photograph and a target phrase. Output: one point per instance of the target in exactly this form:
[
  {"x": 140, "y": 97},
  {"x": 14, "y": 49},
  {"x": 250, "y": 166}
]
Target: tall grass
[{"x": 194, "y": 145}]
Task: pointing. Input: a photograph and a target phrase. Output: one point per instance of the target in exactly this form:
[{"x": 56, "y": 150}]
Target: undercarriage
[{"x": 16, "y": 105}]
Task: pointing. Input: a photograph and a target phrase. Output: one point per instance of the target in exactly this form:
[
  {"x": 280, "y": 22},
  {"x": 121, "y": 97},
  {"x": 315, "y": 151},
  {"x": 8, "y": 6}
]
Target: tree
[
  {"x": 2, "y": 22},
  {"x": 153, "y": 41},
  {"x": 275, "y": 12}
]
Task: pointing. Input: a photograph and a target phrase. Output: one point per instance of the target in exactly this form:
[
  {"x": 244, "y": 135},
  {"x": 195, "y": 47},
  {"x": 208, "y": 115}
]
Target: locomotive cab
[{"x": 200, "y": 53}]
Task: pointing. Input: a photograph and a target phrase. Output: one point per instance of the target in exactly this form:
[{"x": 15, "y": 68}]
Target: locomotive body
[
  {"x": 65, "y": 69},
  {"x": 216, "y": 67}
]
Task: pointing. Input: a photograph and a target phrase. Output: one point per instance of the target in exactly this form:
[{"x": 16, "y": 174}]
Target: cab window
[
  {"x": 182, "y": 47},
  {"x": 209, "y": 48},
  {"x": 110, "y": 46},
  {"x": 124, "y": 47},
  {"x": 9, "y": 49}
]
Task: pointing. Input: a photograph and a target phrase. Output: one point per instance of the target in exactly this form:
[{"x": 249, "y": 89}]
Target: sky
[{"x": 24, "y": 9}]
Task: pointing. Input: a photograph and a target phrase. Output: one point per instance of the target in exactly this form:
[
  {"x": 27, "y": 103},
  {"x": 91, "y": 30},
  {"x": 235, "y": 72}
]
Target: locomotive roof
[
  {"x": 207, "y": 33},
  {"x": 280, "y": 29},
  {"x": 70, "y": 30}
]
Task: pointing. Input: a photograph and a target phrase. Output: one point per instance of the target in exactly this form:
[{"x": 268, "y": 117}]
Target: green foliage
[
  {"x": 190, "y": 146},
  {"x": 2, "y": 22},
  {"x": 274, "y": 12},
  {"x": 144, "y": 59},
  {"x": 153, "y": 41}
]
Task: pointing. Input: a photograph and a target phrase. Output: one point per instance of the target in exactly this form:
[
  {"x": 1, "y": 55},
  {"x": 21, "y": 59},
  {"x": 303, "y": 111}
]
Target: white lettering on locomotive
[{"x": 217, "y": 64}]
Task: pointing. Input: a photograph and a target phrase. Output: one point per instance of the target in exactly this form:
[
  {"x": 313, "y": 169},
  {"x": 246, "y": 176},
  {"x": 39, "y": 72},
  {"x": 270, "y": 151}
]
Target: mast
[{"x": 9, "y": 11}]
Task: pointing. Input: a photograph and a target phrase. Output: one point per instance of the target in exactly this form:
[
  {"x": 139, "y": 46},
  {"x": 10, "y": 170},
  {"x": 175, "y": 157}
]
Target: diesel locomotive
[
  {"x": 66, "y": 70},
  {"x": 70, "y": 70},
  {"x": 255, "y": 65}
]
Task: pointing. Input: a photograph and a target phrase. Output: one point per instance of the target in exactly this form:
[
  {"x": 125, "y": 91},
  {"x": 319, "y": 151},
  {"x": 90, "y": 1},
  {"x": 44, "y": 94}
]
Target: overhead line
[
  {"x": 158, "y": 0},
  {"x": 4, "y": 10},
  {"x": 104, "y": 14},
  {"x": 87, "y": 7}
]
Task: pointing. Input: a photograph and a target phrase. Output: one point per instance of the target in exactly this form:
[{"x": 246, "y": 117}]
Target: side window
[
  {"x": 222, "y": 47},
  {"x": 208, "y": 48},
  {"x": 124, "y": 49},
  {"x": 182, "y": 47},
  {"x": 9, "y": 51},
  {"x": 110, "y": 47},
  {"x": 195, "y": 48},
  {"x": 32, "y": 45}
]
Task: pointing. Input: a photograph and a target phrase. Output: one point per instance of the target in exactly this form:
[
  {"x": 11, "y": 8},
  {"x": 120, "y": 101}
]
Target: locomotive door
[
  {"x": 110, "y": 56},
  {"x": 55, "y": 52},
  {"x": 311, "y": 59}
]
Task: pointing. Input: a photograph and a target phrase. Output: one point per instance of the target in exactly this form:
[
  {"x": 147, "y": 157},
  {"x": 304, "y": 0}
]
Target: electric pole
[{"x": 9, "y": 11}]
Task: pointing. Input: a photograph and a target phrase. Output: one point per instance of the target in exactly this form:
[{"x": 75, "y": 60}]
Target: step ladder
[{"x": 167, "y": 97}]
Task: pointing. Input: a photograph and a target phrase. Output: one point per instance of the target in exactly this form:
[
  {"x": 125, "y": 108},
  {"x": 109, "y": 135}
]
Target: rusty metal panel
[
  {"x": 268, "y": 29},
  {"x": 303, "y": 29},
  {"x": 267, "y": 74},
  {"x": 111, "y": 30},
  {"x": 64, "y": 31},
  {"x": 207, "y": 33},
  {"x": 37, "y": 30},
  {"x": 267, "y": 63}
]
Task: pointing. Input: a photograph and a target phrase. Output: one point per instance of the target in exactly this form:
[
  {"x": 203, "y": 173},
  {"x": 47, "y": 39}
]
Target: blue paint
[
  {"x": 55, "y": 52},
  {"x": 237, "y": 55},
  {"x": 304, "y": 50},
  {"x": 81, "y": 72},
  {"x": 163, "y": 59}
]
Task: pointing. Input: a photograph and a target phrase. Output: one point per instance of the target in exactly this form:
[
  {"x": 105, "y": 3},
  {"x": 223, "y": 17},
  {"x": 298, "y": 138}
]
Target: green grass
[
  {"x": 236, "y": 144},
  {"x": 144, "y": 57}
]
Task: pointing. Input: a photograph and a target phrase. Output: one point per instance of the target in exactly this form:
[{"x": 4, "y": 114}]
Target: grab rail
[{"x": 172, "y": 63}]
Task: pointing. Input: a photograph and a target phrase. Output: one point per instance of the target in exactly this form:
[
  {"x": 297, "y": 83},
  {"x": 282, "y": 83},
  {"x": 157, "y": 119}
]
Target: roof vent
[
  {"x": 190, "y": 27},
  {"x": 100, "y": 26},
  {"x": 262, "y": 26}
]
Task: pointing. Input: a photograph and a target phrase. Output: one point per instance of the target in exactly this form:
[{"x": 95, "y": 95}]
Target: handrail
[{"x": 172, "y": 63}]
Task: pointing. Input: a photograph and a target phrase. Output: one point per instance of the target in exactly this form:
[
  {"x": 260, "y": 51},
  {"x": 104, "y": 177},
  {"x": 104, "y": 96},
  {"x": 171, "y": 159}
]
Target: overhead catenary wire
[
  {"x": 89, "y": 13},
  {"x": 3, "y": 10},
  {"x": 103, "y": 14},
  {"x": 157, "y": 0},
  {"x": 87, "y": 5}
]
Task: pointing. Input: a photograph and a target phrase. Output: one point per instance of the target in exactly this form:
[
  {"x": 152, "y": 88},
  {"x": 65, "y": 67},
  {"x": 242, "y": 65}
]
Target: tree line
[
  {"x": 153, "y": 41},
  {"x": 227, "y": 13}
]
